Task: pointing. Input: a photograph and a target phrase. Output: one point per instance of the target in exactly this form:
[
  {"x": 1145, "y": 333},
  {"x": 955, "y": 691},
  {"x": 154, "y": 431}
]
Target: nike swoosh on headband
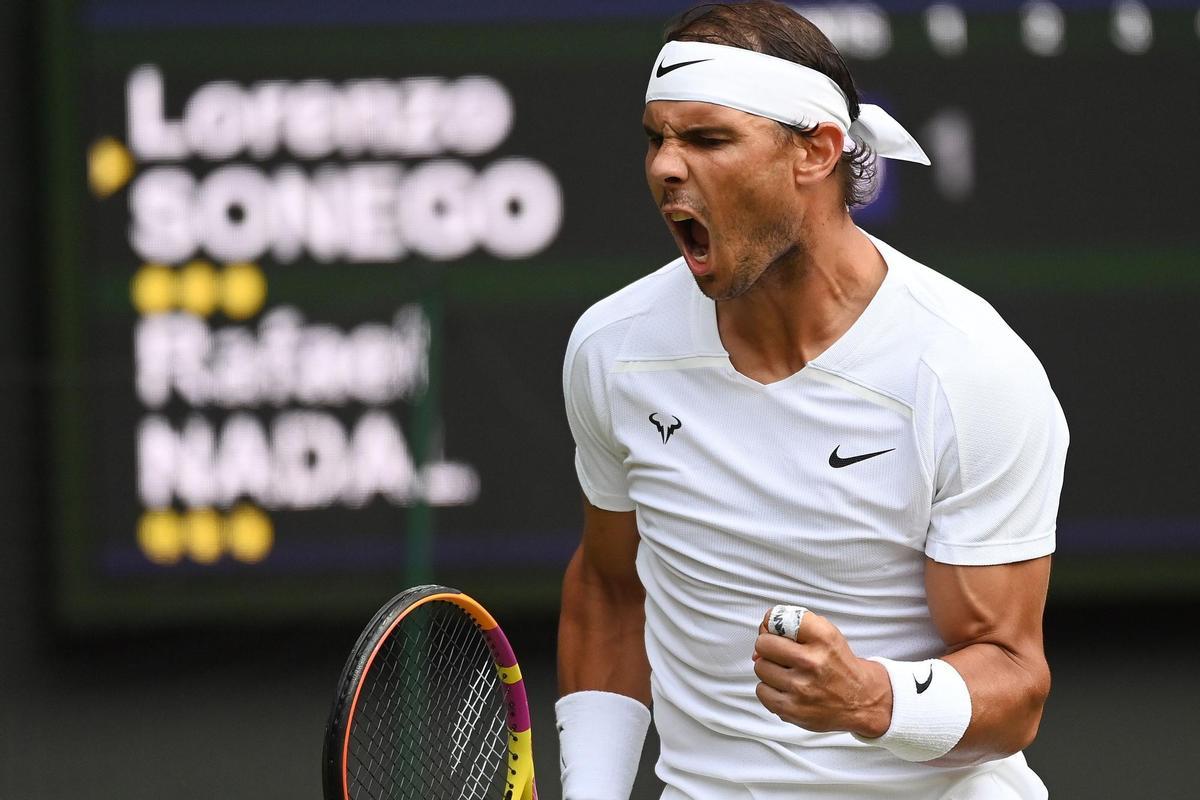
[{"x": 664, "y": 70}]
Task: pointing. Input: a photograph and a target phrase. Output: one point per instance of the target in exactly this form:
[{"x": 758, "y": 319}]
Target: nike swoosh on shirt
[
  {"x": 837, "y": 462},
  {"x": 664, "y": 70}
]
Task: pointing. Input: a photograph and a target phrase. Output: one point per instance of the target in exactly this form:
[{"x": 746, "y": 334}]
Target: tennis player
[{"x": 821, "y": 479}]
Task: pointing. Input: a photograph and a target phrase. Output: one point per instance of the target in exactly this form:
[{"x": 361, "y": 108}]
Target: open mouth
[{"x": 693, "y": 239}]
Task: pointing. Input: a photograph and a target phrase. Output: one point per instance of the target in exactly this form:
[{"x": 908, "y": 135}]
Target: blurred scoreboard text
[{"x": 315, "y": 268}]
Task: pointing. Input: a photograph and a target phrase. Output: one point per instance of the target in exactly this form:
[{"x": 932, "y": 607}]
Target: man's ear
[{"x": 820, "y": 152}]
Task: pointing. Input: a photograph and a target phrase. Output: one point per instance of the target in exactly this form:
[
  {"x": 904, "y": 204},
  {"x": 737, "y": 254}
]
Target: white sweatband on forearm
[
  {"x": 931, "y": 709},
  {"x": 600, "y": 738}
]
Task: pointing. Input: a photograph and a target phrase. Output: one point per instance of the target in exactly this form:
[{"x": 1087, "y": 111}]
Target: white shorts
[{"x": 1010, "y": 779}]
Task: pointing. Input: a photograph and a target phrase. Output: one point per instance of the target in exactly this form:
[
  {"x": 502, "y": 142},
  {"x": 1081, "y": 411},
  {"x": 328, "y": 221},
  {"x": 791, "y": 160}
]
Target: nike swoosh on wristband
[
  {"x": 664, "y": 70},
  {"x": 837, "y": 462},
  {"x": 923, "y": 686}
]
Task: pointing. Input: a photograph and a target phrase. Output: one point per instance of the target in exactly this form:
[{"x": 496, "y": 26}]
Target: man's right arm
[
  {"x": 603, "y": 673},
  {"x": 601, "y": 644}
]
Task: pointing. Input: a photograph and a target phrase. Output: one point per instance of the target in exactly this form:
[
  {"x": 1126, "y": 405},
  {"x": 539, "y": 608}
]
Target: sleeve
[
  {"x": 1000, "y": 447},
  {"x": 599, "y": 458}
]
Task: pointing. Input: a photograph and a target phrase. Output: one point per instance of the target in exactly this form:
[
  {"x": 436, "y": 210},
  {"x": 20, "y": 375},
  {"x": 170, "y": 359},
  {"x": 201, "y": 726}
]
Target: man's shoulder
[
  {"x": 964, "y": 341},
  {"x": 609, "y": 321},
  {"x": 952, "y": 323},
  {"x": 930, "y": 326}
]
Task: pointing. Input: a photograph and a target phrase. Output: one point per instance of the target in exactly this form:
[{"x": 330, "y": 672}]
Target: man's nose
[{"x": 667, "y": 166}]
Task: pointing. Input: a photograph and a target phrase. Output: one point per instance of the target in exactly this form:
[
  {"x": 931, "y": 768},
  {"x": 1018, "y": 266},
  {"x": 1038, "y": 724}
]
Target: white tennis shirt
[{"x": 748, "y": 495}]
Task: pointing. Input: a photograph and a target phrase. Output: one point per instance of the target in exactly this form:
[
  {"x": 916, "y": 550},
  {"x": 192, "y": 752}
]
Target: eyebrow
[{"x": 696, "y": 132}]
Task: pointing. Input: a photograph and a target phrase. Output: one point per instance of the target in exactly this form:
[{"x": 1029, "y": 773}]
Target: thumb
[
  {"x": 784, "y": 620},
  {"x": 817, "y": 629}
]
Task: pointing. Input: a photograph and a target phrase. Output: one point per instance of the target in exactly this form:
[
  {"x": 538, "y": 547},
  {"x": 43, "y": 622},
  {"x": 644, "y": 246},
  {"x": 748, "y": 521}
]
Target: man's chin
[
  {"x": 707, "y": 284},
  {"x": 720, "y": 291}
]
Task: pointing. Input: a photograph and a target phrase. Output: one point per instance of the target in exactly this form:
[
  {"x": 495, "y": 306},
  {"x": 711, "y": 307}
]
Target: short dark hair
[{"x": 776, "y": 30}]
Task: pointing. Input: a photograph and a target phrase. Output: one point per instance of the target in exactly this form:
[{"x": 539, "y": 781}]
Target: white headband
[{"x": 776, "y": 89}]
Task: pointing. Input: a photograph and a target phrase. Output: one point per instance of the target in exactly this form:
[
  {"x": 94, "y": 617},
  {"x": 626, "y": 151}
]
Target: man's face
[{"x": 724, "y": 182}]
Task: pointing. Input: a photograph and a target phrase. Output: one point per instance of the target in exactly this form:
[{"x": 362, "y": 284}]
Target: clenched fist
[{"x": 818, "y": 683}]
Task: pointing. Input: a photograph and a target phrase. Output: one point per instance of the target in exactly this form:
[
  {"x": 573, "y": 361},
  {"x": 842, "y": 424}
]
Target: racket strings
[
  {"x": 400, "y": 690},
  {"x": 430, "y": 720}
]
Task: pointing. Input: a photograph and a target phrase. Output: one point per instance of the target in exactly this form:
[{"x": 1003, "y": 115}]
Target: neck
[{"x": 803, "y": 302}]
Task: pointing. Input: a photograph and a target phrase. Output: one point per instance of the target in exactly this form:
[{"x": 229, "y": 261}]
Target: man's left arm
[
  {"x": 990, "y": 618},
  {"x": 999, "y": 441}
]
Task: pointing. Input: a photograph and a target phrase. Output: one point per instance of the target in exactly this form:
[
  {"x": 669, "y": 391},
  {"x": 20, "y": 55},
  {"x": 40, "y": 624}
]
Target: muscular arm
[
  {"x": 600, "y": 629},
  {"x": 991, "y": 620}
]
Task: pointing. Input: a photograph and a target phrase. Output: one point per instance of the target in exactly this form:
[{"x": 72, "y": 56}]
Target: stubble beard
[{"x": 772, "y": 258}]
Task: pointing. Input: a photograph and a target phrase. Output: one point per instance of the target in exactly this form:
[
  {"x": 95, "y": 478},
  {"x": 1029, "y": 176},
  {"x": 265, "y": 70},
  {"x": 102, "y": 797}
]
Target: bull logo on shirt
[{"x": 665, "y": 431}]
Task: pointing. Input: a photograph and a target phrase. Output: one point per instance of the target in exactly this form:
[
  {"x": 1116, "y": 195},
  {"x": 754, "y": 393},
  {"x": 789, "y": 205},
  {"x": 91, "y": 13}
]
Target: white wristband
[
  {"x": 600, "y": 738},
  {"x": 931, "y": 709}
]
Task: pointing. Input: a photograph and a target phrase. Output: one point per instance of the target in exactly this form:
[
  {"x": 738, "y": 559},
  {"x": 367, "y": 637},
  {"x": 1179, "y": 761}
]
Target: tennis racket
[{"x": 430, "y": 705}]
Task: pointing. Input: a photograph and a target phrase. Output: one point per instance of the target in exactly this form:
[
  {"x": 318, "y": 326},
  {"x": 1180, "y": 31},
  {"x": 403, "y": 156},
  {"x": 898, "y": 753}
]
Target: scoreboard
[{"x": 314, "y": 267}]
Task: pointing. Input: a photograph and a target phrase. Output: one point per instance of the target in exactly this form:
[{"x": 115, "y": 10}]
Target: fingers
[
  {"x": 813, "y": 681},
  {"x": 790, "y": 709},
  {"x": 773, "y": 674},
  {"x": 772, "y": 699},
  {"x": 812, "y": 628},
  {"x": 781, "y": 693},
  {"x": 817, "y": 633},
  {"x": 782, "y": 623},
  {"x": 776, "y": 648}
]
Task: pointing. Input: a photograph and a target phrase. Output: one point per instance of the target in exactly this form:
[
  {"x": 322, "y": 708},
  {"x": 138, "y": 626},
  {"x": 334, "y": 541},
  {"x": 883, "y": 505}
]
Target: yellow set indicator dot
[
  {"x": 160, "y": 536},
  {"x": 251, "y": 534},
  {"x": 110, "y": 166},
  {"x": 202, "y": 535},
  {"x": 198, "y": 288},
  {"x": 153, "y": 289},
  {"x": 243, "y": 290},
  {"x": 205, "y": 535},
  {"x": 239, "y": 290}
]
